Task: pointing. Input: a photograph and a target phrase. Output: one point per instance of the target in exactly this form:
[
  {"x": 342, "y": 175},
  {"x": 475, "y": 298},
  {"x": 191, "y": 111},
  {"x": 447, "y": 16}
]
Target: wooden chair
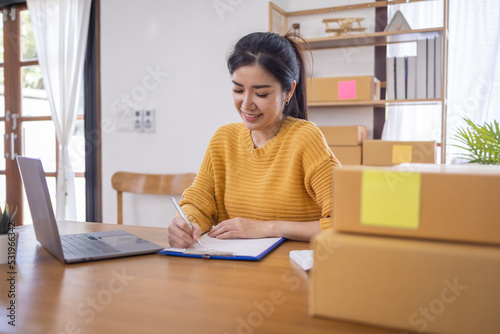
[{"x": 160, "y": 184}]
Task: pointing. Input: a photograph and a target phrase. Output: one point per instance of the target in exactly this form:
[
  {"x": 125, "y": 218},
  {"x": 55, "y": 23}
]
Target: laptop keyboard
[{"x": 84, "y": 245}]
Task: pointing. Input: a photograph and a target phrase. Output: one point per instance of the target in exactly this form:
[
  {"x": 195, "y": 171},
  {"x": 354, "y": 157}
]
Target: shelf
[
  {"x": 374, "y": 103},
  {"x": 373, "y": 39},
  {"x": 377, "y": 4},
  {"x": 279, "y": 22}
]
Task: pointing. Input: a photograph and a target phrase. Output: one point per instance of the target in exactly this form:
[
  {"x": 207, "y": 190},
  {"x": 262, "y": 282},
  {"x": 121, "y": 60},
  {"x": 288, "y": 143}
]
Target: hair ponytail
[
  {"x": 298, "y": 103},
  {"x": 283, "y": 57}
]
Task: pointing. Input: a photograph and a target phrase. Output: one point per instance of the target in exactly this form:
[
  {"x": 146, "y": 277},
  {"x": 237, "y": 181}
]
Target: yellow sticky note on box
[
  {"x": 401, "y": 154},
  {"x": 390, "y": 199}
]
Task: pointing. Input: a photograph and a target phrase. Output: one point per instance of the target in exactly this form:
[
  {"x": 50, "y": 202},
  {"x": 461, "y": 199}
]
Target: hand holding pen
[{"x": 181, "y": 213}]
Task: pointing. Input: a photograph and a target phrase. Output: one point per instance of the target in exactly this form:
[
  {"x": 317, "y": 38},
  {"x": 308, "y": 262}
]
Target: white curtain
[
  {"x": 473, "y": 71},
  {"x": 60, "y": 29}
]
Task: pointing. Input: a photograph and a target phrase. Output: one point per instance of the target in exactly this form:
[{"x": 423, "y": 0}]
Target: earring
[{"x": 287, "y": 102}]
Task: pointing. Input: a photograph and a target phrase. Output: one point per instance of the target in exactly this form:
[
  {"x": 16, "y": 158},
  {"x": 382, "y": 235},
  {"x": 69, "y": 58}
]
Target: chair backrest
[{"x": 159, "y": 184}]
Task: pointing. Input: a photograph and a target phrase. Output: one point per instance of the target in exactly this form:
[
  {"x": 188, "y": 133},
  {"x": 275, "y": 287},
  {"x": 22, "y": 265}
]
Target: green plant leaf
[
  {"x": 482, "y": 142},
  {"x": 7, "y": 219}
]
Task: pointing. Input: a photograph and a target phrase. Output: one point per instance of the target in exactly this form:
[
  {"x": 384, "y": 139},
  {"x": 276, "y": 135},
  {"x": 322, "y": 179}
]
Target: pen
[{"x": 183, "y": 215}]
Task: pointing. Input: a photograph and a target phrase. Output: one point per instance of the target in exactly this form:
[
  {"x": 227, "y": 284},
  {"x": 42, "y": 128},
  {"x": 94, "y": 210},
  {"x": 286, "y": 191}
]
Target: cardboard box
[
  {"x": 388, "y": 153},
  {"x": 350, "y": 135},
  {"x": 414, "y": 285},
  {"x": 356, "y": 88},
  {"x": 448, "y": 202},
  {"x": 347, "y": 155}
]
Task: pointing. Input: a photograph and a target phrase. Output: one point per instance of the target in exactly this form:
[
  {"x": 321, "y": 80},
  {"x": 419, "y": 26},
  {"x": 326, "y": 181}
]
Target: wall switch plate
[
  {"x": 138, "y": 120},
  {"x": 148, "y": 121}
]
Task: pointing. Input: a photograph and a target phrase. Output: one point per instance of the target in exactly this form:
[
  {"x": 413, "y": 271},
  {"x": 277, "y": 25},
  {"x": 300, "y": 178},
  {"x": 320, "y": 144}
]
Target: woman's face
[{"x": 258, "y": 98}]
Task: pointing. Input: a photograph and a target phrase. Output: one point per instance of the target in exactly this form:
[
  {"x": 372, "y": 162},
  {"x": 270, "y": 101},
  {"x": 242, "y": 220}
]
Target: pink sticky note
[{"x": 347, "y": 90}]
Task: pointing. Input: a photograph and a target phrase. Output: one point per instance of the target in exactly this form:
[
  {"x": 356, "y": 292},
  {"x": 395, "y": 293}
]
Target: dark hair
[{"x": 282, "y": 56}]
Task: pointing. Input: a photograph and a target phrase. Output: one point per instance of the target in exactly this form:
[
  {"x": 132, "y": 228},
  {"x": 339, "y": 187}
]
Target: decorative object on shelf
[
  {"x": 398, "y": 22},
  {"x": 345, "y": 25},
  {"x": 296, "y": 28},
  {"x": 482, "y": 142},
  {"x": 8, "y": 236}
]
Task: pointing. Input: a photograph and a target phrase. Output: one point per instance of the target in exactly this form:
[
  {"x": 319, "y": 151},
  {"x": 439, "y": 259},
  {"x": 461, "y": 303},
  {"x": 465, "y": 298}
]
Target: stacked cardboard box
[
  {"x": 345, "y": 142},
  {"x": 414, "y": 247},
  {"x": 333, "y": 89},
  {"x": 388, "y": 153}
]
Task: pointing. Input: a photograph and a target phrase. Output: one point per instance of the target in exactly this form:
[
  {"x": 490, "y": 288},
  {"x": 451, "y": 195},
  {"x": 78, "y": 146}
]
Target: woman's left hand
[{"x": 240, "y": 228}]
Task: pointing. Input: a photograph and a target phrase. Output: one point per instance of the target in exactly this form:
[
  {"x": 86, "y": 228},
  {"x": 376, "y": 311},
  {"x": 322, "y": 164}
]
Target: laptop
[{"x": 73, "y": 248}]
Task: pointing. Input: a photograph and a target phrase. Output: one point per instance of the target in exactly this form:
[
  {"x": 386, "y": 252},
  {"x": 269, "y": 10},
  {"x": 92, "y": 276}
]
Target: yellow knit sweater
[{"x": 289, "y": 178}]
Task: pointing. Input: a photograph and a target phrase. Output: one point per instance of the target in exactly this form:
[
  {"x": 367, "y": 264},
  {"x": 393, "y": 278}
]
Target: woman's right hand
[{"x": 180, "y": 234}]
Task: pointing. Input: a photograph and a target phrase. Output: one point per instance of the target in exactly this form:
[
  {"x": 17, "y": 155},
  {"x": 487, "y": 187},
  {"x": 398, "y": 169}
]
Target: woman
[{"x": 271, "y": 175}]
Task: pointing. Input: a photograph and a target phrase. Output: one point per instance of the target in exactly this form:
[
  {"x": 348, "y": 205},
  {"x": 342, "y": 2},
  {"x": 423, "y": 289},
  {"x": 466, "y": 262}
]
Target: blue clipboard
[{"x": 228, "y": 249}]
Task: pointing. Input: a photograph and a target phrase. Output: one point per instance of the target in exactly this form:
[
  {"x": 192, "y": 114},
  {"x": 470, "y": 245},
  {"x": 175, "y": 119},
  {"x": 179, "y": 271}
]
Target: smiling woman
[
  {"x": 271, "y": 175},
  {"x": 259, "y": 99},
  {"x": 282, "y": 58}
]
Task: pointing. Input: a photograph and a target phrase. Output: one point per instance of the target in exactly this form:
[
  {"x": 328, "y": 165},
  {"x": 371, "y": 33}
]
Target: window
[{"x": 25, "y": 117}]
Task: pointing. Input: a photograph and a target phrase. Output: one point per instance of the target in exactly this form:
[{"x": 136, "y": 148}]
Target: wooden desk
[{"x": 159, "y": 294}]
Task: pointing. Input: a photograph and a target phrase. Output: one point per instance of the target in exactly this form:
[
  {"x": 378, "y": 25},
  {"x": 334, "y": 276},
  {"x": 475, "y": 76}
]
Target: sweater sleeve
[
  {"x": 198, "y": 202},
  {"x": 321, "y": 183},
  {"x": 319, "y": 175}
]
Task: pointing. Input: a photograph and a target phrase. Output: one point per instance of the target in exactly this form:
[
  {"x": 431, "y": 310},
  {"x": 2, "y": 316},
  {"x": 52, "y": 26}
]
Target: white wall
[{"x": 171, "y": 56}]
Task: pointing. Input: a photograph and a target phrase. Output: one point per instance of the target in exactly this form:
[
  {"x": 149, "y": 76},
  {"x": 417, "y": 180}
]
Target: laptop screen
[{"x": 40, "y": 205}]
